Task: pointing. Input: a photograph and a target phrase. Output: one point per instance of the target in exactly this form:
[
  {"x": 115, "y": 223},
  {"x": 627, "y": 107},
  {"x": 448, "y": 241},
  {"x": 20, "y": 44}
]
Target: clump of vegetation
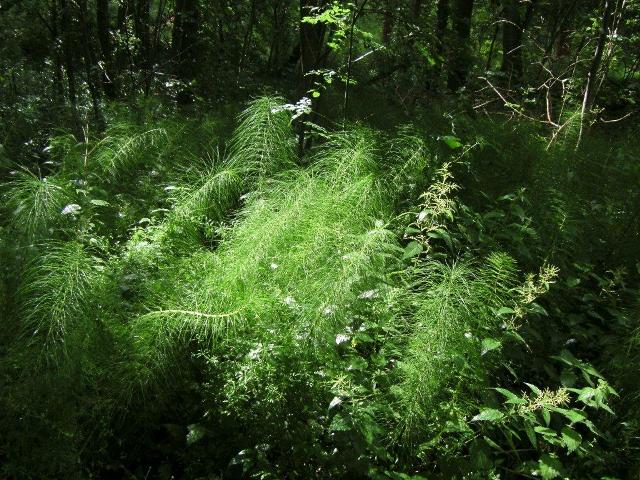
[
  {"x": 325, "y": 319},
  {"x": 317, "y": 239}
]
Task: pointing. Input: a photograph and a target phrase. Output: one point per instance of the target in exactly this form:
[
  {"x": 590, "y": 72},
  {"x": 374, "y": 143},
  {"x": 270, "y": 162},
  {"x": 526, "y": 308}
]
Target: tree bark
[
  {"x": 91, "y": 65},
  {"x": 589, "y": 91},
  {"x": 388, "y": 21},
  {"x": 106, "y": 48},
  {"x": 184, "y": 39},
  {"x": 69, "y": 62},
  {"x": 512, "y": 41},
  {"x": 514, "y": 26},
  {"x": 442, "y": 18},
  {"x": 247, "y": 36},
  {"x": 311, "y": 41},
  {"x": 460, "y": 57}
]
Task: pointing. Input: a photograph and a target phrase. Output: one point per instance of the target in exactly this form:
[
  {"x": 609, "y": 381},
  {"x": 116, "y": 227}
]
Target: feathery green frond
[
  {"x": 263, "y": 141},
  {"x": 125, "y": 147},
  {"x": 37, "y": 203},
  {"x": 452, "y": 310},
  {"x": 56, "y": 293}
]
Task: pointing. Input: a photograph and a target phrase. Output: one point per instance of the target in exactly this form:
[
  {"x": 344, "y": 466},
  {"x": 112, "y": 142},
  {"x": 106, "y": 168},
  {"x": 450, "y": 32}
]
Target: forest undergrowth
[{"x": 415, "y": 303}]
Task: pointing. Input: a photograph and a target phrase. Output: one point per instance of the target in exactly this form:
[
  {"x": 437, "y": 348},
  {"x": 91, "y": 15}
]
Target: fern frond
[
  {"x": 263, "y": 142},
  {"x": 124, "y": 148},
  {"x": 37, "y": 203},
  {"x": 214, "y": 197},
  {"x": 56, "y": 291},
  {"x": 453, "y": 310}
]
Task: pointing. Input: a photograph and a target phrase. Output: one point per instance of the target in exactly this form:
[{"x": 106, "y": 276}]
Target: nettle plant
[{"x": 556, "y": 423}]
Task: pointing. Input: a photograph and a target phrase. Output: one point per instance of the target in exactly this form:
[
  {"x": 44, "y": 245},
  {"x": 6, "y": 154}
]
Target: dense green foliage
[
  {"x": 273, "y": 239},
  {"x": 250, "y": 316}
]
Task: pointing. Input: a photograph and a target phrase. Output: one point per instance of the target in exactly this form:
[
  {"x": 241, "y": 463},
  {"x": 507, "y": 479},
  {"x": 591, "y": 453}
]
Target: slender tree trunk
[
  {"x": 279, "y": 15},
  {"x": 357, "y": 11},
  {"x": 491, "y": 48},
  {"x": 69, "y": 62},
  {"x": 124, "y": 57},
  {"x": 311, "y": 41},
  {"x": 58, "y": 73},
  {"x": 416, "y": 9},
  {"x": 460, "y": 57},
  {"x": 247, "y": 36},
  {"x": 589, "y": 90},
  {"x": 512, "y": 41},
  {"x": 514, "y": 26},
  {"x": 185, "y": 29},
  {"x": 442, "y": 19},
  {"x": 311, "y": 46},
  {"x": 388, "y": 21},
  {"x": 142, "y": 23},
  {"x": 106, "y": 48},
  {"x": 91, "y": 64}
]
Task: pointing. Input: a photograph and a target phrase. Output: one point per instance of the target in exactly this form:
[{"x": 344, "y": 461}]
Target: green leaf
[
  {"x": 488, "y": 415},
  {"x": 339, "y": 424},
  {"x": 546, "y": 416},
  {"x": 573, "y": 282},
  {"x": 504, "y": 311},
  {"x": 531, "y": 434},
  {"x": 571, "y": 438},
  {"x": 511, "y": 397},
  {"x": 196, "y": 432},
  {"x": 413, "y": 249},
  {"x": 452, "y": 142},
  {"x": 534, "y": 389},
  {"x": 99, "y": 203},
  {"x": 574, "y": 416},
  {"x": 550, "y": 466},
  {"x": 545, "y": 432},
  {"x": 489, "y": 344}
]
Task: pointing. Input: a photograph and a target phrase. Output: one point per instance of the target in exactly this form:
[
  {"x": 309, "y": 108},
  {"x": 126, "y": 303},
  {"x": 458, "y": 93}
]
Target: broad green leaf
[
  {"x": 550, "y": 467},
  {"x": 534, "y": 389},
  {"x": 413, "y": 249},
  {"x": 511, "y": 397},
  {"x": 504, "y": 311},
  {"x": 489, "y": 344},
  {"x": 546, "y": 416},
  {"x": 488, "y": 415},
  {"x": 574, "y": 416},
  {"x": 571, "y": 438},
  {"x": 452, "y": 142}
]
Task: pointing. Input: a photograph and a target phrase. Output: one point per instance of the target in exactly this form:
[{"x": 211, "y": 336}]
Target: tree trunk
[
  {"x": 589, "y": 90},
  {"x": 514, "y": 26},
  {"x": 460, "y": 57},
  {"x": 184, "y": 38},
  {"x": 69, "y": 62},
  {"x": 311, "y": 46},
  {"x": 91, "y": 65},
  {"x": 388, "y": 21},
  {"x": 442, "y": 18},
  {"x": 247, "y": 36},
  {"x": 512, "y": 41},
  {"x": 416, "y": 9},
  {"x": 311, "y": 41},
  {"x": 106, "y": 48},
  {"x": 280, "y": 13},
  {"x": 58, "y": 73},
  {"x": 142, "y": 23}
]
